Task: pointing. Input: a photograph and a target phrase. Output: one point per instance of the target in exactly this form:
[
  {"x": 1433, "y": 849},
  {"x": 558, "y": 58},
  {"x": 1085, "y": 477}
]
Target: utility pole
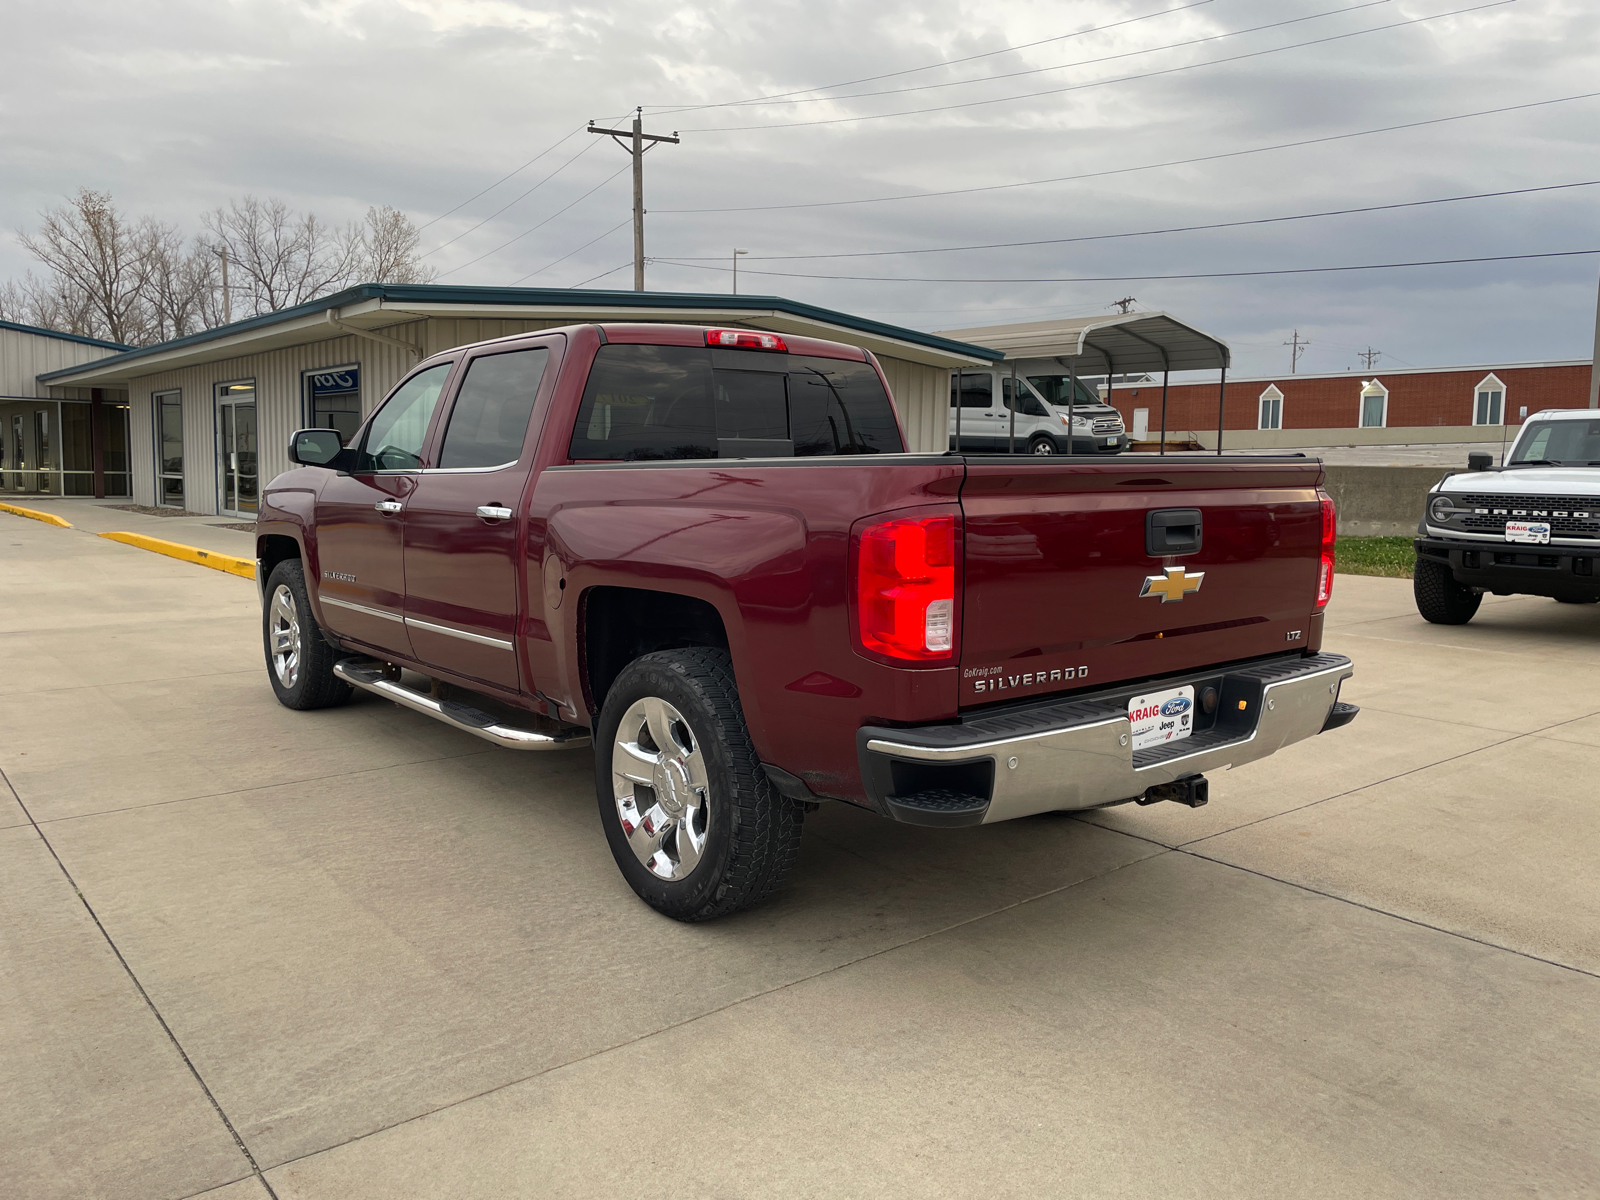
[
  {"x": 1299, "y": 349},
  {"x": 1124, "y": 304},
  {"x": 1369, "y": 356},
  {"x": 736, "y": 254},
  {"x": 635, "y": 145},
  {"x": 227, "y": 296}
]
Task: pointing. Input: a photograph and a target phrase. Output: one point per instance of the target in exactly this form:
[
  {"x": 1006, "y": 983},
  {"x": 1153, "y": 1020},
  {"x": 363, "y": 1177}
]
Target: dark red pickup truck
[{"x": 706, "y": 553}]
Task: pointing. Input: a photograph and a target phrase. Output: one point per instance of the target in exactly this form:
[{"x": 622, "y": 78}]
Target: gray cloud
[{"x": 420, "y": 103}]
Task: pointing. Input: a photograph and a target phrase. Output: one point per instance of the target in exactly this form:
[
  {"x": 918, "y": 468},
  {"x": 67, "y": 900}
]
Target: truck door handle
[
  {"x": 388, "y": 507},
  {"x": 493, "y": 512}
]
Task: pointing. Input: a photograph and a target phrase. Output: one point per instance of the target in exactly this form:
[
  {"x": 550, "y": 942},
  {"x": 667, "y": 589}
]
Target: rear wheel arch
[{"x": 620, "y": 624}]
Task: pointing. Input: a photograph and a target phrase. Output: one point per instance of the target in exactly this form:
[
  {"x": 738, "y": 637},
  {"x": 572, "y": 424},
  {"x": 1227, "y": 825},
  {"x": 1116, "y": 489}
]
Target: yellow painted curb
[
  {"x": 242, "y": 567},
  {"x": 47, "y": 518}
]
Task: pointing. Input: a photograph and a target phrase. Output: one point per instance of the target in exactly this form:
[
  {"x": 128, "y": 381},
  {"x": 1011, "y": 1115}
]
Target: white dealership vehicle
[
  {"x": 984, "y": 416},
  {"x": 1528, "y": 527}
]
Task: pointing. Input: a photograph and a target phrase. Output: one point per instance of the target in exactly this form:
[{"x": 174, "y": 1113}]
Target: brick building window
[
  {"x": 1489, "y": 402},
  {"x": 1374, "y": 404},
  {"x": 1271, "y": 408}
]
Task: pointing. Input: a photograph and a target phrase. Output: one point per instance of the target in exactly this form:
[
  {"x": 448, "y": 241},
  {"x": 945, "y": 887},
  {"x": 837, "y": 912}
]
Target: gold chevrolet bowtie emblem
[{"x": 1174, "y": 585}]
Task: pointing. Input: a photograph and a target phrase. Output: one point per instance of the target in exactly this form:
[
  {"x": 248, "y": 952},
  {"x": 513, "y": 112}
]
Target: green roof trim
[
  {"x": 65, "y": 337},
  {"x": 433, "y": 293}
]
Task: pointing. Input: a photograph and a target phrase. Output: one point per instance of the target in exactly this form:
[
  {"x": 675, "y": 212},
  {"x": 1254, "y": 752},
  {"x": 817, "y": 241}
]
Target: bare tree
[
  {"x": 180, "y": 285},
  {"x": 283, "y": 259},
  {"x": 99, "y": 257},
  {"x": 390, "y": 249},
  {"x": 137, "y": 281}
]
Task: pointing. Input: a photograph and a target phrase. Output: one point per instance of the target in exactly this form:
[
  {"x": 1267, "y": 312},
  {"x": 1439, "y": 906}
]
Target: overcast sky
[{"x": 339, "y": 105}]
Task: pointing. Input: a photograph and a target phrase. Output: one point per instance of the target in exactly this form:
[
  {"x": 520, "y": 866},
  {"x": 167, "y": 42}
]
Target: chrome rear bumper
[{"x": 1074, "y": 754}]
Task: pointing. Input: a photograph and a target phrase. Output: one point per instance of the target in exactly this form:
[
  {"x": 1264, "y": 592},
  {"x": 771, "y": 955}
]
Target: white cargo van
[{"x": 984, "y": 416}]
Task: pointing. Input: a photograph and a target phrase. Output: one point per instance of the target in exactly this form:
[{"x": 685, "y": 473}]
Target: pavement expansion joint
[
  {"x": 1384, "y": 912},
  {"x": 729, "y": 1006},
  {"x": 140, "y": 988}
]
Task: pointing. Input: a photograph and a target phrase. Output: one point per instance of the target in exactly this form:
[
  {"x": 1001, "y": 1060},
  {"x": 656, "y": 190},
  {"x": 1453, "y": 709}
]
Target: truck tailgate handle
[{"x": 1171, "y": 531}]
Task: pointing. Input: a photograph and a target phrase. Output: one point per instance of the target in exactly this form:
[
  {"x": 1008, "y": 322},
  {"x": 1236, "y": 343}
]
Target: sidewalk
[{"x": 101, "y": 516}]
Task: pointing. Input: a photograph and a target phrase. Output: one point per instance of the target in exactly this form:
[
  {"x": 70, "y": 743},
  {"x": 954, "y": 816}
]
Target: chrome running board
[{"x": 367, "y": 674}]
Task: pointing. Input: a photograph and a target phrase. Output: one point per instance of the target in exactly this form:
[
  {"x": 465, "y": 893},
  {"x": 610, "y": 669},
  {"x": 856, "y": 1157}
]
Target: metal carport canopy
[{"x": 1137, "y": 341}]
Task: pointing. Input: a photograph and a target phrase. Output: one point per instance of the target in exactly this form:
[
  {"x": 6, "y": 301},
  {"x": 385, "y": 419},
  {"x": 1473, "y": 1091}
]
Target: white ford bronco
[{"x": 1528, "y": 527}]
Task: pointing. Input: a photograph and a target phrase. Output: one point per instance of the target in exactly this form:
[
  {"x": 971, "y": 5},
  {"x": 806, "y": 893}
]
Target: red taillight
[
  {"x": 1330, "y": 532},
  {"x": 745, "y": 339},
  {"x": 906, "y": 588}
]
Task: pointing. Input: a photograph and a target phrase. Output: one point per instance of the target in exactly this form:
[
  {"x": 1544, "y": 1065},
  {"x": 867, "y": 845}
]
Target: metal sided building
[
  {"x": 210, "y": 415},
  {"x": 65, "y": 444}
]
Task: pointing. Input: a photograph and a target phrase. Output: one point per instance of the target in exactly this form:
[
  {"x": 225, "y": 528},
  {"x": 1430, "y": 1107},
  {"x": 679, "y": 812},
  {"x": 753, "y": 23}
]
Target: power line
[
  {"x": 502, "y": 179},
  {"x": 531, "y": 228},
  {"x": 1441, "y": 262},
  {"x": 603, "y": 274},
  {"x": 1086, "y": 62},
  {"x": 1176, "y": 162},
  {"x": 507, "y": 205},
  {"x": 570, "y": 253},
  {"x": 756, "y": 100},
  {"x": 1102, "y": 237},
  {"x": 913, "y": 112}
]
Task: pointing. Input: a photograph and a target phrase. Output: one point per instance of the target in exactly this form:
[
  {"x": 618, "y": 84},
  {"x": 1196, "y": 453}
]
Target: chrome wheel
[
  {"x": 1043, "y": 446},
  {"x": 283, "y": 636},
  {"x": 658, "y": 780}
]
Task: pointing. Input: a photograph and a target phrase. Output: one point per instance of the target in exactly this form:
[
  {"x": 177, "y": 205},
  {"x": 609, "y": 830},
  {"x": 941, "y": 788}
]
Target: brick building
[{"x": 1403, "y": 404}]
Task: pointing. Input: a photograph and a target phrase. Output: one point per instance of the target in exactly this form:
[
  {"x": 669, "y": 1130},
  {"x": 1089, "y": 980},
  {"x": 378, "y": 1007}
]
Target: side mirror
[
  {"x": 315, "y": 447},
  {"x": 1478, "y": 460}
]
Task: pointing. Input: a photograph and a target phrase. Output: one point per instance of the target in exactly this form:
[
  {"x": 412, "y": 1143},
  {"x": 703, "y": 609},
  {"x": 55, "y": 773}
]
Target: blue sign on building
[{"x": 328, "y": 383}]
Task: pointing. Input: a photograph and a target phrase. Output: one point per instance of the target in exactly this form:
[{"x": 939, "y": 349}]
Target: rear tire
[
  {"x": 1440, "y": 599},
  {"x": 707, "y": 835},
  {"x": 299, "y": 659},
  {"x": 1043, "y": 445}
]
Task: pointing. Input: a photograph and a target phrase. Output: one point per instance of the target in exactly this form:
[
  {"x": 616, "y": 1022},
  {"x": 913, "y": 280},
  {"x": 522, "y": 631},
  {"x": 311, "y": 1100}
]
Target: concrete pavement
[{"x": 355, "y": 953}]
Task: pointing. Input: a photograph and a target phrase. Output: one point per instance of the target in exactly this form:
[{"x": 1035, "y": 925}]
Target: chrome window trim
[
  {"x": 362, "y": 608},
  {"x": 480, "y": 639}
]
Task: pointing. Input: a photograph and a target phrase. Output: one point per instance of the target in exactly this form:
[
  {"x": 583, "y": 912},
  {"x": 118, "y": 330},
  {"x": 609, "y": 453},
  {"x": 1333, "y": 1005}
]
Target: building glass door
[{"x": 236, "y": 464}]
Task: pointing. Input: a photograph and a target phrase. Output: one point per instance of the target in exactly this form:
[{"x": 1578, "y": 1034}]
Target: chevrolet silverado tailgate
[{"x": 1062, "y": 590}]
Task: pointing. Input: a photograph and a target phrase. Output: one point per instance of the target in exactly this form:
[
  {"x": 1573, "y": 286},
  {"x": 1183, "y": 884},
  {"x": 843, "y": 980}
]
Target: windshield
[
  {"x": 1561, "y": 442},
  {"x": 1056, "y": 389}
]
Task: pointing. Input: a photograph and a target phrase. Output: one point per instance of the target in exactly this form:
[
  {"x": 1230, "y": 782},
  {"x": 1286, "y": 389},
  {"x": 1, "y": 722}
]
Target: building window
[
  {"x": 1271, "y": 416},
  {"x": 169, "y": 447},
  {"x": 333, "y": 400},
  {"x": 1489, "y": 402},
  {"x": 1374, "y": 405}
]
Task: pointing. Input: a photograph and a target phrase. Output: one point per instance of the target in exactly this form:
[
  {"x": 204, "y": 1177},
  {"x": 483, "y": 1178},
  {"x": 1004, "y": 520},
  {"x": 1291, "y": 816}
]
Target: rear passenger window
[
  {"x": 660, "y": 402},
  {"x": 490, "y": 416},
  {"x": 644, "y": 402}
]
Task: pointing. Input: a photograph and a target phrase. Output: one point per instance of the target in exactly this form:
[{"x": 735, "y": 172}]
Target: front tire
[
  {"x": 299, "y": 659},
  {"x": 1042, "y": 445},
  {"x": 696, "y": 828},
  {"x": 1440, "y": 599}
]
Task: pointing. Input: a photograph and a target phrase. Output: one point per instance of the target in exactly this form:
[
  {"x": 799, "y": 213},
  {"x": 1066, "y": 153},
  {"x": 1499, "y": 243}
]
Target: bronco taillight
[
  {"x": 1330, "y": 533},
  {"x": 905, "y": 588}
]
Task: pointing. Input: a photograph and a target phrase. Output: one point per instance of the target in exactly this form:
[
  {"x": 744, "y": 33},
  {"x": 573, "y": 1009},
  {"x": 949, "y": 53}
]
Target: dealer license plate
[
  {"x": 1111, "y": 441},
  {"x": 1530, "y": 533},
  {"x": 1161, "y": 717}
]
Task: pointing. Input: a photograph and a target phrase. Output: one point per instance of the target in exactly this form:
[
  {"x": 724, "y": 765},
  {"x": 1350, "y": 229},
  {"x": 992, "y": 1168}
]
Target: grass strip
[{"x": 1392, "y": 557}]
